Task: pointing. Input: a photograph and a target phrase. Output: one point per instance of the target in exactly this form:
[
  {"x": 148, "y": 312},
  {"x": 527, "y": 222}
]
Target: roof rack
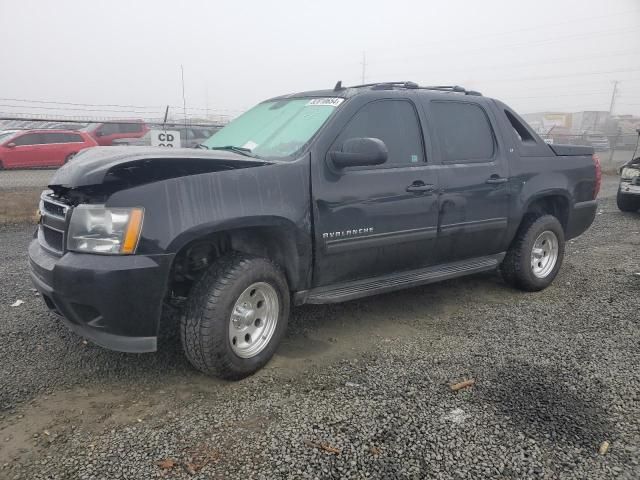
[{"x": 410, "y": 85}]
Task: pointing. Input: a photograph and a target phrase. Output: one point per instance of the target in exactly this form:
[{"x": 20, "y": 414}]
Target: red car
[
  {"x": 106, "y": 133},
  {"x": 41, "y": 148}
]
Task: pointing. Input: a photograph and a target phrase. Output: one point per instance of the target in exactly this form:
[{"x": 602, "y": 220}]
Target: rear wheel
[
  {"x": 628, "y": 203},
  {"x": 236, "y": 316},
  {"x": 536, "y": 254}
]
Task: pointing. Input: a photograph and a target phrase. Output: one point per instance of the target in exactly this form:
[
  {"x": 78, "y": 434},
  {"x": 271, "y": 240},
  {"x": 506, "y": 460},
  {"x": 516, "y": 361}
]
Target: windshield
[
  {"x": 6, "y": 135},
  {"x": 276, "y": 129}
]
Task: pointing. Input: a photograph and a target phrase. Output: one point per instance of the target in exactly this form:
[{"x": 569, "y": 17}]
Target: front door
[
  {"x": 375, "y": 220},
  {"x": 474, "y": 180},
  {"x": 27, "y": 152}
]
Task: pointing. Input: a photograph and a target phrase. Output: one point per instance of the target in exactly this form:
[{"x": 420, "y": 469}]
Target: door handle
[
  {"x": 494, "y": 180},
  {"x": 420, "y": 187}
]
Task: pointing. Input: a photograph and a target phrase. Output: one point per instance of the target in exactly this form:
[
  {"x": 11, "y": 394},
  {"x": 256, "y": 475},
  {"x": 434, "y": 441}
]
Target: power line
[
  {"x": 51, "y": 102},
  {"x": 66, "y": 109},
  {"x": 551, "y": 77},
  {"x": 529, "y": 64},
  {"x": 464, "y": 50}
]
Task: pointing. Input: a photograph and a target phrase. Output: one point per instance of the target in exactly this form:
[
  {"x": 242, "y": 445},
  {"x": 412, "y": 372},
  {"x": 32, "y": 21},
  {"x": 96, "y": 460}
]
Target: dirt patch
[{"x": 19, "y": 204}]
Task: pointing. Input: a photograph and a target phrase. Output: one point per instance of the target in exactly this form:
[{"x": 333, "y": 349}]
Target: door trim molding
[
  {"x": 375, "y": 240},
  {"x": 474, "y": 226}
]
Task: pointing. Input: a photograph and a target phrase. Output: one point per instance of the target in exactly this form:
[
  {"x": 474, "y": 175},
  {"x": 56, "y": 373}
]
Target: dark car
[
  {"x": 316, "y": 197},
  {"x": 628, "y": 197}
]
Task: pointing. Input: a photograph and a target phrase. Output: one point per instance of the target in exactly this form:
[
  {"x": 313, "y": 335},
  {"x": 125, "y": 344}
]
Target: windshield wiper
[{"x": 232, "y": 148}]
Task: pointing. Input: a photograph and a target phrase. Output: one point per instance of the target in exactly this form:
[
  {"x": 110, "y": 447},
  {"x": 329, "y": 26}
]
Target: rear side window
[
  {"x": 73, "y": 138},
  {"x": 108, "y": 129},
  {"x": 395, "y": 122},
  {"x": 463, "y": 131},
  {"x": 58, "y": 138},
  {"x": 521, "y": 131},
  {"x": 130, "y": 127},
  {"x": 29, "y": 139}
]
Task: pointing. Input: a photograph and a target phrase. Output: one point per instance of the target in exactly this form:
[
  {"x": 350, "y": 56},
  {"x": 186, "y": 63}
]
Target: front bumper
[
  {"x": 114, "y": 301},
  {"x": 630, "y": 188}
]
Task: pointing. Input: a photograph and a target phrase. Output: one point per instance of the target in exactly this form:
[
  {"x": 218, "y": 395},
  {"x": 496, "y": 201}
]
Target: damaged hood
[{"x": 129, "y": 166}]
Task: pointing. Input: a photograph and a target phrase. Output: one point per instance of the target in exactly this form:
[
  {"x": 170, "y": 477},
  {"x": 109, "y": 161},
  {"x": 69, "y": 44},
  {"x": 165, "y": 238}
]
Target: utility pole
[
  {"x": 184, "y": 99},
  {"x": 613, "y": 96},
  {"x": 613, "y": 139},
  {"x": 364, "y": 66},
  {"x": 206, "y": 99}
]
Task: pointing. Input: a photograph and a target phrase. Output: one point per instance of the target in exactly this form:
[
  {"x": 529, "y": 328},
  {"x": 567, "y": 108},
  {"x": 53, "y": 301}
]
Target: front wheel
[
  {"x": 236, "y": 316},
  {"x": 628, "y": 203},
  {"x": 536, "y": 254}
]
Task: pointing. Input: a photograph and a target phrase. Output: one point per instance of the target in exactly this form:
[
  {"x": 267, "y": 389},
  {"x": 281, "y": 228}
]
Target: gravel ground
[{"x": 357, "y": 390}]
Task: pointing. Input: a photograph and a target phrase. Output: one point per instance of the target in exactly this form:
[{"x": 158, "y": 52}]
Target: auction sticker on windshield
[{"x": 331, "y": 102}]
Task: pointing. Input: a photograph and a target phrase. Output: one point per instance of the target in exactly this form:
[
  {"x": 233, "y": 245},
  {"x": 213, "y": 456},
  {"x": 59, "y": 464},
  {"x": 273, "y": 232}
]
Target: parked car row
[{"x": 48, "y": 147}]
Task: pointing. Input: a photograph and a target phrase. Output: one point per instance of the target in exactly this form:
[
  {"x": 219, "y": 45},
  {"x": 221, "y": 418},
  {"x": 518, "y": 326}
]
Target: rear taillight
[{"x": 596, "y": 187}]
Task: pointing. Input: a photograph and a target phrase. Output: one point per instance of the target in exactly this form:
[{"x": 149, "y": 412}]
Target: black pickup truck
[{"x": 315, "y": 197}]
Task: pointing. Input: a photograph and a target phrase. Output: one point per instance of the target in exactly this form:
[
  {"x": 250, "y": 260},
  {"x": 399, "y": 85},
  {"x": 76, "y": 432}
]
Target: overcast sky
[{"x": 560, "y": 55}]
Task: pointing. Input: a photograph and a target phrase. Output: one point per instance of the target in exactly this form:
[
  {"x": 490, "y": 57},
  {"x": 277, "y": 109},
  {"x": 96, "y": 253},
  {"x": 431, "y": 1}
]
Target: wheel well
[
  {"x": 194, "y": 258},
  {"x": 555, "y": 205}
]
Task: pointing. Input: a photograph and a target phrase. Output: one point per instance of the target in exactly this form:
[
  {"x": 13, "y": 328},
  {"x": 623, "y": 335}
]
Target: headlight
[
  {"x": 629, "y": 173},
  {"x": 96, "y": 229}
]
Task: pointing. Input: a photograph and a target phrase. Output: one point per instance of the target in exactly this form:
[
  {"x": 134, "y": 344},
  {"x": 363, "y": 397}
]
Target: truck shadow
[{"x": 548, "y": 403}]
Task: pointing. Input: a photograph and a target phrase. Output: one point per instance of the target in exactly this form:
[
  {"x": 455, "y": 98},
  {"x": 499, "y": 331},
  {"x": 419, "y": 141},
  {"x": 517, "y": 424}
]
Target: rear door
[
  {"x": 59, "y": 146},
  {"x": 375, "y": 220},
  {"x": 474, "y": 179}
]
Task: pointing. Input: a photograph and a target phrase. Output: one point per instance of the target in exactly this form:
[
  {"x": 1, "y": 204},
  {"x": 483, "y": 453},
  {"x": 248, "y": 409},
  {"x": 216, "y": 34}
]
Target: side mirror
[
  {"x": 360, "y": 152},
  {"x": 11, "y": 145}
]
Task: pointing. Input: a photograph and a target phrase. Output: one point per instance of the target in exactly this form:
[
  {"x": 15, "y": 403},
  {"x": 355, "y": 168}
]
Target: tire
[
  {"x": 215, "y": 342},
  {"x": 518, "y": 267},
  {"x": 628, "y": 203}
]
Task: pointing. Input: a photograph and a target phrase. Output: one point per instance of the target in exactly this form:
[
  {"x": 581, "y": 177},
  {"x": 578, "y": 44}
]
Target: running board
[{"x": 342, "y": 292}]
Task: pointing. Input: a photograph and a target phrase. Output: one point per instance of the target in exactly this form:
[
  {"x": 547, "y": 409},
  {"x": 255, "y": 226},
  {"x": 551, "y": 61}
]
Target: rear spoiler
[{"x": 571, "y": 150}]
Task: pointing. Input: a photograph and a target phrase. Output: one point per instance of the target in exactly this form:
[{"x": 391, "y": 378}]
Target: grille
[
  {"x": 53, "y": 223},
  {"x": 53, "y": 238},
  {"x": 53, "y": 209}
]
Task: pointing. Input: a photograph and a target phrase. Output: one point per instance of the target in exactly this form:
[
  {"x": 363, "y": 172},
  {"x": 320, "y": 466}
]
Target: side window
[
  {"x": 395, "y": 122},
  {"x": 463, "y": 131},
  {"x": 29, "y": 139},
  {"x": 54, "y": 137},
  {"x": 130, "y": 127},
  {"x": 522, "y": 132},
  {"x": 108, "y": 129},
  {"x": 73, "y": 138}
]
